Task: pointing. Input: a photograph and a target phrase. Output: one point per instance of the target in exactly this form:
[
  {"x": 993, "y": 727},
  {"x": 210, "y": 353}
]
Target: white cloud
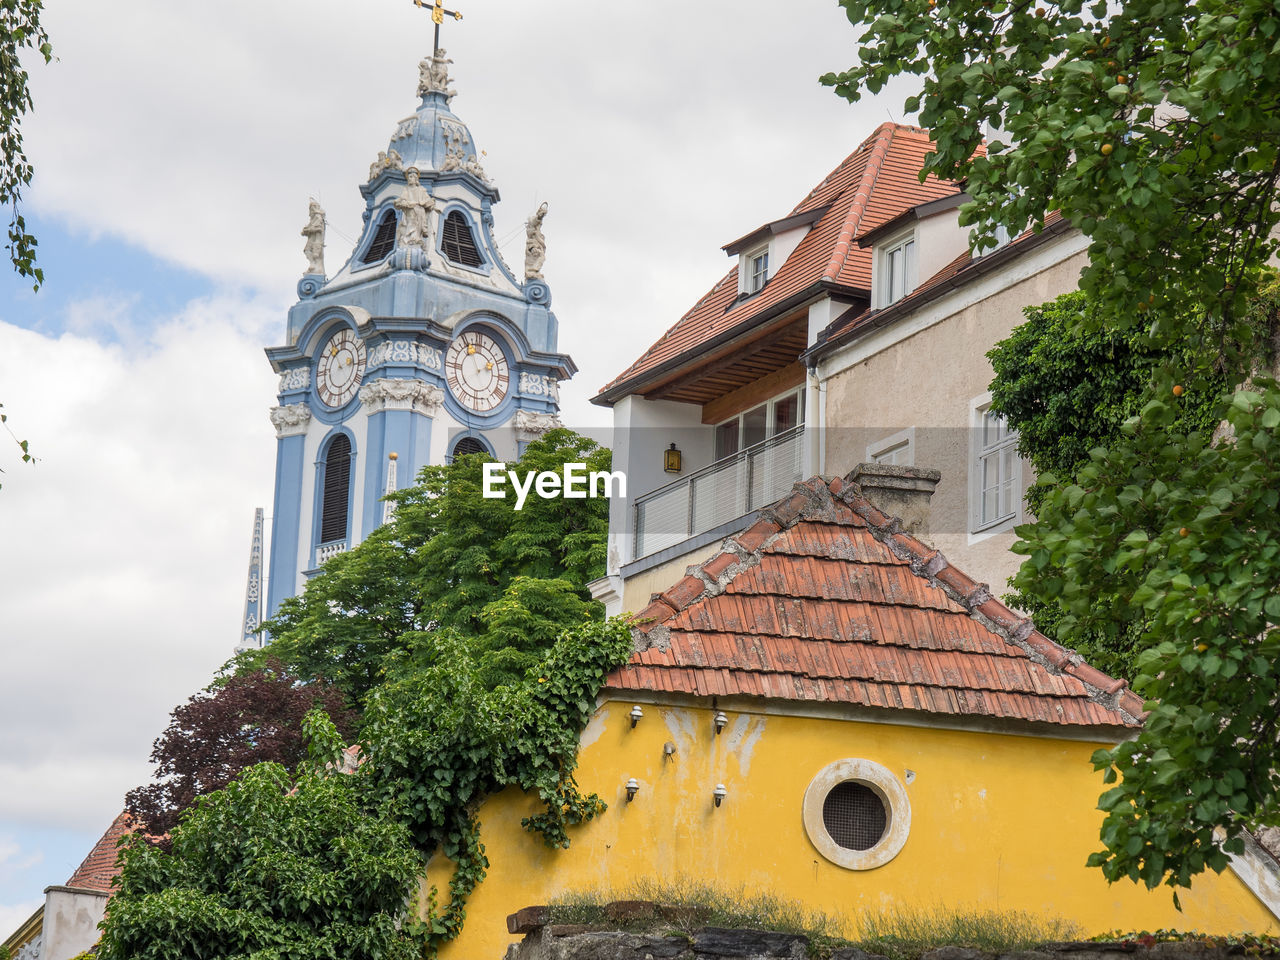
[
  {"x": 13, "y": 914},
  {"x": 124, "y": 546},
  {"x": 655, "y": 137}
]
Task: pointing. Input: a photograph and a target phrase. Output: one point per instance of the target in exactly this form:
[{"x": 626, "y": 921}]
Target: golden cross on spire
[{"x": 438, "y": 13}]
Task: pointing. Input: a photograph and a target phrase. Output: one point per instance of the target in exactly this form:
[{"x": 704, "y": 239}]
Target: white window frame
[
  {"x": 747, "y": 275},
  {"x": 771, "y": 417},
  {"x": 981, "y": 527},
  {"x": 882, "y": 294},
  {"x": 903, "y": 440}
]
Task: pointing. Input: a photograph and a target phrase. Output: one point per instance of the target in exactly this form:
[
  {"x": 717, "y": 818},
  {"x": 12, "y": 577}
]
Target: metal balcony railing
[{"x": 718, "y": 493}]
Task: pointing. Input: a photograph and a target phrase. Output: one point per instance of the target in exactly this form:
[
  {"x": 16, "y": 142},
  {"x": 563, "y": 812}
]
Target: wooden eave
[{"x": 676, "y": 378}]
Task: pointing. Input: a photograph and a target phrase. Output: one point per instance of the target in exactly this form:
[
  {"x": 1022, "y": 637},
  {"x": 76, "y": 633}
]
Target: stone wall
[{"x": 664, "y": 933}]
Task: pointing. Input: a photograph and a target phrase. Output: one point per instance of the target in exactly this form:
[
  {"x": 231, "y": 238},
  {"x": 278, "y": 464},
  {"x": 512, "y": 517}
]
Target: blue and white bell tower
[{"x": 422, "y": 346}]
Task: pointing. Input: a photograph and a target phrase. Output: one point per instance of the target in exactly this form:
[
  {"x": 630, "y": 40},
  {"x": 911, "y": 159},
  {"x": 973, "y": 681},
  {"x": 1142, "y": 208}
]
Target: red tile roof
[
  {"x": 824, "y": 599},
  {"x": 99, "y": 868},
  {"x": 875, "y": 183}
]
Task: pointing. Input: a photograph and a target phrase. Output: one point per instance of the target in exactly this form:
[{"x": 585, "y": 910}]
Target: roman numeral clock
[
  {"x": 424, "y": 345},
  {"x": 476, "y": 371}
]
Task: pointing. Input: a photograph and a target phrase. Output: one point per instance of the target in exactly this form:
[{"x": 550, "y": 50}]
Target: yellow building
[{"x": 880, "y": 731}]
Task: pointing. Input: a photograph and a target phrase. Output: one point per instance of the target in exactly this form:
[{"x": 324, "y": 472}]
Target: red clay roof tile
[
  {"x": 826, "y": 611},
  {"x": 99, "y": 869},
  {"x": 875, "y": 183}
]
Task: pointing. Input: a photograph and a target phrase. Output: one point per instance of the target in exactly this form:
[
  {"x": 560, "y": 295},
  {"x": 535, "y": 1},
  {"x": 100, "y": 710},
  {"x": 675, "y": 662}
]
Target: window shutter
[
  {"x": 458, "y": 243},
  {"x": 383, "y": 240},
  {"x": 337, "y": 487}
]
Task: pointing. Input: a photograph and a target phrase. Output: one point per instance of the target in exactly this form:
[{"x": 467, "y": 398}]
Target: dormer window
[
  {"x": 384, "y": 238},
  {"x": 457, "y": 241},
  {"x": 896, "y": 271},
  {"x": 757, "y": 270}
]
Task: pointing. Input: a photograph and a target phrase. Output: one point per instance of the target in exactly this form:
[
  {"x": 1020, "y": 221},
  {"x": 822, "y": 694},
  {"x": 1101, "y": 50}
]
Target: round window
[{"x": 857, "y": 814}]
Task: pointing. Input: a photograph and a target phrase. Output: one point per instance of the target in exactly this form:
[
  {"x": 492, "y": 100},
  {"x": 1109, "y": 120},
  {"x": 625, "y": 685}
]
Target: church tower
[{"x": 422, "y": 346}]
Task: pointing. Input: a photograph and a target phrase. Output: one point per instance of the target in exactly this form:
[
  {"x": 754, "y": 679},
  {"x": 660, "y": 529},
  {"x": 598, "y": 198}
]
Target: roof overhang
[
  {"x": 921, "y": 211},
  {"x": 737, "y": 335},
  {"x": 805, "y": 219}
]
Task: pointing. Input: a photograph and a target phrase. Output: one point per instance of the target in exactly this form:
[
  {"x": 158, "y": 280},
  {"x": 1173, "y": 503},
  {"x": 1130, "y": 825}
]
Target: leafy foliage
[
  {"x": 1067, "y": 386},
  {"x": 269, "y": 867},
  {"x": 250, "y": 718},
  {"x": 1178, "y": 532},
  {"x": 20, "y": 30},
  {"x": 22, "y": 444},
  {"x": 1153, "y": 127},
  {"x": 437, "y": 741},
  {"x": 465, "y": 632},
  {"x": 452, "y": 560}
]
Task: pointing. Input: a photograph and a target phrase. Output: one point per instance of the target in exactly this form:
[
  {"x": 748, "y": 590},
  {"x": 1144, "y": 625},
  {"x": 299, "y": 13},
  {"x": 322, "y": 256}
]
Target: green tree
[
  {"x": 1067, "y": 385},
  {"x": 452, "y": 562},
  {"x": 1152, "y": 127},
  {"x": 1179, "y": 533},
  {"x": 20, "y": 30},
  {"x": 271, "y": 866}
]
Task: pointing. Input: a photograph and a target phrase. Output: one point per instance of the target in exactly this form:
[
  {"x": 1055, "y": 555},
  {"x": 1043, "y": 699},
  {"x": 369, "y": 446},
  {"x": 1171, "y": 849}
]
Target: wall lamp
[
  {"x": 721, "y": 721},
  {"x": 671, "y": 459},
  {"x": 633, "y": 787},
  {"x": 636, "y": 714},
  {"x": 719, "y": 793}
]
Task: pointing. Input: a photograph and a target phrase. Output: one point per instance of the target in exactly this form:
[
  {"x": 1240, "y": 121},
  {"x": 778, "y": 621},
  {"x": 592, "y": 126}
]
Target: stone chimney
[{"x": 902, "y": 492}]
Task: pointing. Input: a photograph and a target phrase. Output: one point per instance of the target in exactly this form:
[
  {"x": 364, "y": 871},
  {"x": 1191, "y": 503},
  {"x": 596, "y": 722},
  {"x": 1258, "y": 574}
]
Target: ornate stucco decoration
[
  {"x": 313, "y": 248},
  {"x": 535, "y": 245},
  {"x": 531, "y": 424},
  {"x": 291, "y": 420},
  {"x": 405, "y": 351},
  {"x": 433, "y": 76},
  {"x": 406, "y": 128},
  {"x": 456, "y": 142},
  {"x": 387, "y": 160},
  {"x": 396, "y": 394},
  {"x": 296, "y": 379},
  {"x": 532, "y": 385}
]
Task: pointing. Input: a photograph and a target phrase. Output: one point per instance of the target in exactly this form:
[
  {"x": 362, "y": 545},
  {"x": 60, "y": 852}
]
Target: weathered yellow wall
[{"x": 1004, "y": 822}]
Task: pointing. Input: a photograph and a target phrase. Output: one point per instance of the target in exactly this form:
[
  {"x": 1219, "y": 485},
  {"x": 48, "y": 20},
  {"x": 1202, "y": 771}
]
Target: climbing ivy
[
  {"x": 324, "y": 865},
  {"x": 439, "y": 741}
]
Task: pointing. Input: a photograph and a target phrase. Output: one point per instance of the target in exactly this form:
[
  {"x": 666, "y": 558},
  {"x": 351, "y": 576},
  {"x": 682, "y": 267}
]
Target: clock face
[
  {"x": 476, "y": 369},
  {"x": 340, "y": 368}
]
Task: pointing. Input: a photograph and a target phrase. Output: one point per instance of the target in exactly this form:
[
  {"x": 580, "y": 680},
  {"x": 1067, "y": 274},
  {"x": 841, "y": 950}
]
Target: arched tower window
[
  {"x": 337, "y": 489},
  {"x": 467, "y": 446},
  {"x": 458, "y": 243},
  {"x": 384, "y": 238}
]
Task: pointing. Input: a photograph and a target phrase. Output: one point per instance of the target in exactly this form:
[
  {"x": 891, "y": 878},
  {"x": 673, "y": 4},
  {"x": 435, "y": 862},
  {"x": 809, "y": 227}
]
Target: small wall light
[
  {"x": 636, "y": 714},
  {"x": 633, "y": 787},
  {"x": 719, "y": 793},
  {"x": 720, "y": 721},
  {"x": 671, "y": 459}
]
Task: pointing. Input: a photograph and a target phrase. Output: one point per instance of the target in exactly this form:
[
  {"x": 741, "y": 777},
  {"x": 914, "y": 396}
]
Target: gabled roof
[
  {"x": 99, "y": 868},
  {"x": 960, "y": 271},
  {"x": 824, "y": 599},
  {"x": 875, "y": 183}
]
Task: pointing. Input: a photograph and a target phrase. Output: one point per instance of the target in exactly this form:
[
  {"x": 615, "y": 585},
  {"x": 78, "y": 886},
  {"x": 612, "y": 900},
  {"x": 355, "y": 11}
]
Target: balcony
[
  {"x": 719, "y": 493},
  {"x": 326, "y": 551}
]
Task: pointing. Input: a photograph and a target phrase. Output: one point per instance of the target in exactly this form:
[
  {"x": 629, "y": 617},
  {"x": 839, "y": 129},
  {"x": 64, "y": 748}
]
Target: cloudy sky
[{"x": 176, "y": 146}]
